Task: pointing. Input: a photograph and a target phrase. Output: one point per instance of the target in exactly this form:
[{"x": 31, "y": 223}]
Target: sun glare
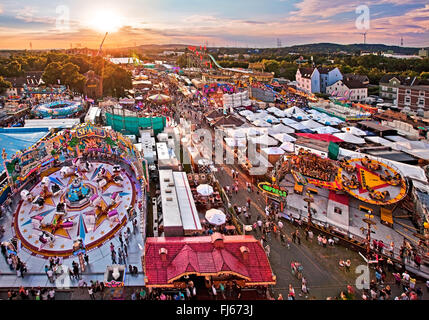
[{"x": 106, "y": 21}]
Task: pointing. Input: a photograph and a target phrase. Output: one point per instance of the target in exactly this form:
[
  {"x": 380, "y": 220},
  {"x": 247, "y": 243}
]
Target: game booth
[{"x": 74, "y": 185}]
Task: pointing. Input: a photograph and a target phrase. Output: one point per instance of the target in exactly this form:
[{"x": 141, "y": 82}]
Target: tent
[
  {"x": 355, "y": 131},
  {"x": 231, "y": 142},
  {"x": 348, "y": 137},
  {"x": 380, "y": 140},
  {"x": 288, "y": 146},
  {"x": 294, "y": 111},
  {"x": 271, "y": 119},
  {"x": 297, "y": 126},
  {"x": 284, "y": 137},
  {"x": 160, "y": 98},
  {"x": 280, "y": 128},
  {"x": 264, "y": 140},
  {"x": 288, "y": 121},
  {"x": 311, "y": 124},
  {"x": 261, "y": 123},
  {"x": 327, "y": 129}
]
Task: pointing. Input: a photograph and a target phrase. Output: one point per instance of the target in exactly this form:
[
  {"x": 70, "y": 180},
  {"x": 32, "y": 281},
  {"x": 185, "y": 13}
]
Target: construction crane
[{"x": 102, "y": 66}]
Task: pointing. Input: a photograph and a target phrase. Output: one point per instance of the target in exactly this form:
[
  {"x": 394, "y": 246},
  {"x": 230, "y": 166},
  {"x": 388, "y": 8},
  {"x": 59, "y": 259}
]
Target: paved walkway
[{"x": 324, "y": 276}]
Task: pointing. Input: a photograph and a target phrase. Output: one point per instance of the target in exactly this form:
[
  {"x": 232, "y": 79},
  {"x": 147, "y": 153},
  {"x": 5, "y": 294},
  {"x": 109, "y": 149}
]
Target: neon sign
[
  {"x": 90, "y": 130},
  {"x": 269, "y": 188}
]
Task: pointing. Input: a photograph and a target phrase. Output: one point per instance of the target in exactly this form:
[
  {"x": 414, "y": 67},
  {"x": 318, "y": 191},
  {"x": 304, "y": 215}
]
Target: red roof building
[{"x": 166, "y": 260}]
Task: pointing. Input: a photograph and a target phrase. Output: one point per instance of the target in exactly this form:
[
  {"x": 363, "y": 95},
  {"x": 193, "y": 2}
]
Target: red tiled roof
[{"x": 199, "y": 255}]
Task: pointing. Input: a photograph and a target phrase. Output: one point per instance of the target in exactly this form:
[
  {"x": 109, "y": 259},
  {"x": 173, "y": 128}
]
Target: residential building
[
  {"x": 308, "y": 80},
  {"x": 389, "y": 85},
  {"x": 352, "y": 90},
  {"x": 416, "y": 97},
  {"x": 328, "y": 76},
  {"x": 31, "y": 79}
]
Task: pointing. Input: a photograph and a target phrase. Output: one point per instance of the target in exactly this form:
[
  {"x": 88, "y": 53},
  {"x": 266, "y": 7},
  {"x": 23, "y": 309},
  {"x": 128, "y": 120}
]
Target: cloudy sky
[{"x": 245, "y": 23}]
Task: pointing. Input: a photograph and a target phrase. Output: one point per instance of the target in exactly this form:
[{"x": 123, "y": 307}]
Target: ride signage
[{"x": 269, "y": 188}]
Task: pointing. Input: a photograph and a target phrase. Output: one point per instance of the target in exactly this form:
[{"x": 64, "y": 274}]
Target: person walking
[
  {"x": 91, "y": 293},
  {"x": 120, "y": 239},
  {"x": 125, "y": 251},
  {"x": 134, "y": 226}
]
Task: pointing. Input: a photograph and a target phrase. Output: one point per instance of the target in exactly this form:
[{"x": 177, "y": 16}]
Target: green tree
[
  {"x": 53, "y": 73},
  {"x": 14, "y": 69},
  {"x": 4, "y": 85}
]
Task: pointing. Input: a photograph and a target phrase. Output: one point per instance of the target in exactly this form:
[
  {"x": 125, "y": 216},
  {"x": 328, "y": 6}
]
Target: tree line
[{"x": 66, "y": 69}]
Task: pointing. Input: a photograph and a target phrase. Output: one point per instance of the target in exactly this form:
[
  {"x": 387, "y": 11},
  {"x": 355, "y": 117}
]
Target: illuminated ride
[
  {"x": 366, "y": 179},
  {"x": 87, "y": 196},
  {"x": 58, "y": 109}
]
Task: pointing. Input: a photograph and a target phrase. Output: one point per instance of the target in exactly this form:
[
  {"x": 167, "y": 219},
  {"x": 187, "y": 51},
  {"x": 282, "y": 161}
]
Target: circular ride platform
[
  {"x": 58, "y": 109},
  {"x": 372, "y": 181},
  {"x": 84, "y": 221}
]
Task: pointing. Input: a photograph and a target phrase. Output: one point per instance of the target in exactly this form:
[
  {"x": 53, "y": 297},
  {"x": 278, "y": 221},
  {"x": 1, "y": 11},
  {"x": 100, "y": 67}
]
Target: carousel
[
  {"x": 81, "y": 195},
  {"x": 58, "y": 109},
  {"x": 372, "y": 181}
]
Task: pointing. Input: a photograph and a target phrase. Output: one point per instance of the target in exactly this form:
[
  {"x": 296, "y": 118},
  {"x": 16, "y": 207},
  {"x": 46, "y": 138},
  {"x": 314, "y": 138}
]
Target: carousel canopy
[{"x": 159, "y": 98}]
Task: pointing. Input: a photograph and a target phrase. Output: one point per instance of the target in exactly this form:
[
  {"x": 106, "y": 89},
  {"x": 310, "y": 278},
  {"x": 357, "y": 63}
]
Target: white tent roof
[
  {"x": 348, "y": 137},
  {"x": 294, "y": 111},
  {"x": 288, "y": 146},
  {"x": 261, "y": 123},
  {"x": 236, "y": 133},
  {"x": 288, "y": 121},
  {"x": 419, "y": 153},
  {"x": 273, "y": 151},
  {"x": 231, "y": 142},
  {"x": 297, "y": 126},
  {"x": 300, "y": 116},
  {"x": 264, "y": 140},
  {"x": 311, "y": 124},
  {"x": 379, "y": 140},
  {"x": 326, "y": 129},
  {"x": 284, "y": 137},
  {"x": 397, "y": 138},
  {"x": 273, "y": 109},
  {"x": 273, "y": 119},
  {"x": 280, "y": 128},
  {"x": 245, "y": 113},
  {"x": 355, "y": 131}
]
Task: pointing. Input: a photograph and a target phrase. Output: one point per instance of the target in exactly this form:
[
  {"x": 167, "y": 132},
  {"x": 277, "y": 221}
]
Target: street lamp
[
  {"x": 309, "y": 200},
  {"x": 368, "y": 220}
]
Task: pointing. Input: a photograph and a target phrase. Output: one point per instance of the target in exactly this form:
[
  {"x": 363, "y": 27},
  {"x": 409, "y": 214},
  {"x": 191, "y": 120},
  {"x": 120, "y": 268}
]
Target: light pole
[
  {"x": 368, "y": 220},
  {"x": 309, "y": 199}
]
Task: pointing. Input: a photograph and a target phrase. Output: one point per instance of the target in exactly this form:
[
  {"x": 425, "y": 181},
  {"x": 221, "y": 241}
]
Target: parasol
[
  {"x": 215, "y": 216},
  {"x": 205, "y": 190}
]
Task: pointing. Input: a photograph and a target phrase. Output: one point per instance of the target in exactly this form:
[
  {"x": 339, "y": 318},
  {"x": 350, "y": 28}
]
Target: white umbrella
[
  {"x": 204, "y": 190},
  {"x": 205, "y": 162},
  {"x": 215, "y": 216}
]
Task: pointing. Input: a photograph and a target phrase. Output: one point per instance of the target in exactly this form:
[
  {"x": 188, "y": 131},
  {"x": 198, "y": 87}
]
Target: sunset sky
[{"x": 241, "y": 23}]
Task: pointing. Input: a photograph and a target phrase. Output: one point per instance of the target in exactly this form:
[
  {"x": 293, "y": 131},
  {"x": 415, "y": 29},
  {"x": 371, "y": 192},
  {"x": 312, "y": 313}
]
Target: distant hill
[{"x": 349, "y": 48}]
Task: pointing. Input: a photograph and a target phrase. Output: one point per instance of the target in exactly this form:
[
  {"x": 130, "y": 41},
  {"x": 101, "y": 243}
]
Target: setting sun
[{"x": 106, "y": 21}]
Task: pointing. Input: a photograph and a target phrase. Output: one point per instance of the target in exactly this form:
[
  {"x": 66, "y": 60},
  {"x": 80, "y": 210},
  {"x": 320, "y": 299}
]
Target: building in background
[{"x": 415, "y": 97}]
